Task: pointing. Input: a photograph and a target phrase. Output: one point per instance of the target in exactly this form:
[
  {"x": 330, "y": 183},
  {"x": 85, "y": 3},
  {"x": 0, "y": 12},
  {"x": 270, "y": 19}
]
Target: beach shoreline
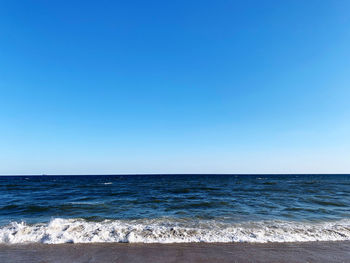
[{"x": 320, "y": 252}]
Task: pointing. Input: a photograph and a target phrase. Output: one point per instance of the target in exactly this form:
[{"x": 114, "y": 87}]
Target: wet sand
[{"x": 194, "y": 252}]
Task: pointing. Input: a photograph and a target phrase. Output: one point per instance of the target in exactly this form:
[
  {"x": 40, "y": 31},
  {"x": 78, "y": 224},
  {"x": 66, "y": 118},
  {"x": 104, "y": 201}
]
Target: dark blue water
[
  {"x": 195, "y": 198},
  {"x": 237, "y": 197}
]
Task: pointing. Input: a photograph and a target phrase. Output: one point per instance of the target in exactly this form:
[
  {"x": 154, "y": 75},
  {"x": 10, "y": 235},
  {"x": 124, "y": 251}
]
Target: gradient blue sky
[{"x": 174, "y": 87}]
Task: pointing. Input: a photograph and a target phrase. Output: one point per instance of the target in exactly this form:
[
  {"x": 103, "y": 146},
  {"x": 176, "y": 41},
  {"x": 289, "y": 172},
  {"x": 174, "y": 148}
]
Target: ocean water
[{"x": 174, "y": 208}]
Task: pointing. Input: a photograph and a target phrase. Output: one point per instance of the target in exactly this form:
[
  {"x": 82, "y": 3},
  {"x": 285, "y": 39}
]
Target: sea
[{"x": 174, "y": 208}]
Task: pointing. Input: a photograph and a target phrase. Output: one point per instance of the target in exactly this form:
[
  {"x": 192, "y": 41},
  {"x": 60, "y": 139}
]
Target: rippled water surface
[
  {"x": 180, "y": 200},
  {"x": 237, "y": 198}
]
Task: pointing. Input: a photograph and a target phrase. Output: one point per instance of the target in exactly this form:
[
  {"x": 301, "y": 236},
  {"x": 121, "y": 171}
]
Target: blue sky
[{"x": 92, "y": 87}]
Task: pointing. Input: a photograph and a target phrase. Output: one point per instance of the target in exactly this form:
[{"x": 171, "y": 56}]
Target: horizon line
[{"x": 136, "y": 174}]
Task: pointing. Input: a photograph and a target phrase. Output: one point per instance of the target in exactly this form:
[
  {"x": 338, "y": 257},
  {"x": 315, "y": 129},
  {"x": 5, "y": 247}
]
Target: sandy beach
[{"x": 200, "y": 252}]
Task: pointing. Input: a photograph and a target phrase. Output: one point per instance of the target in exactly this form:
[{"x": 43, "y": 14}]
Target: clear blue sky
[{"x": 174, "y": 87}]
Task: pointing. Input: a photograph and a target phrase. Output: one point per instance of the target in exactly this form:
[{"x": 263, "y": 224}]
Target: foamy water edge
[{"x": 164, "y": 230}]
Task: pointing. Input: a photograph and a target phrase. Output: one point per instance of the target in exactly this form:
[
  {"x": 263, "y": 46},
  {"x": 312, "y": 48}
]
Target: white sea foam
[{"x": 172, "y": 231}]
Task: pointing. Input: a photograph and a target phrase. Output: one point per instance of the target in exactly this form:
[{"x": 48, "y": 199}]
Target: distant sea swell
[{"x": 167, "y": 230}]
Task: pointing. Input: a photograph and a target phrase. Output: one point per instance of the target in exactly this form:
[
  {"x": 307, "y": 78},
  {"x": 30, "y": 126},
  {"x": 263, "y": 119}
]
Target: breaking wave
[{"x": 165, "y": 230}]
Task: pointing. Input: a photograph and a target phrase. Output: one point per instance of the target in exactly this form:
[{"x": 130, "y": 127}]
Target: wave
[{"x": 165, "y": 230}]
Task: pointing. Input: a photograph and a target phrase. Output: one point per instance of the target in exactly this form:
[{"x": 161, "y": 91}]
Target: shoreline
[{"x": 324, "y": 251}]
